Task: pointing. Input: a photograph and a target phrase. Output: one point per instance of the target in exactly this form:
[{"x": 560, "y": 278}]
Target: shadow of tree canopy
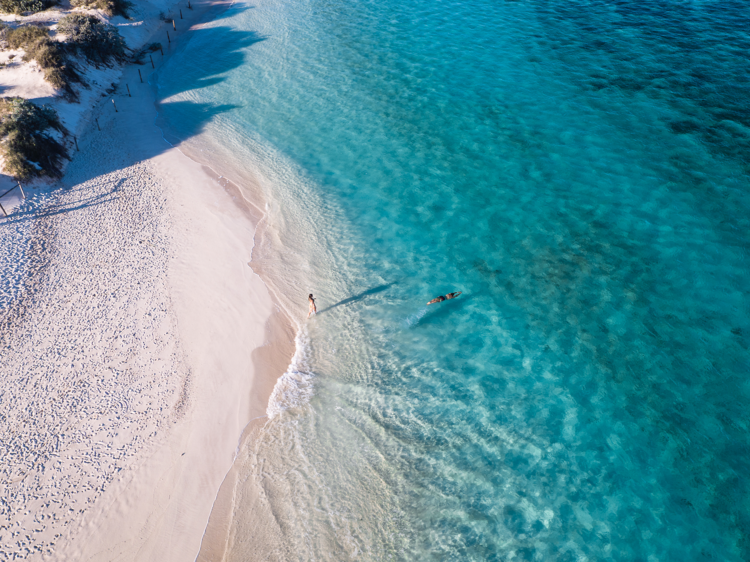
[
  {"x": 25, "y": 215},
  {"x": 225, "y": 50}
]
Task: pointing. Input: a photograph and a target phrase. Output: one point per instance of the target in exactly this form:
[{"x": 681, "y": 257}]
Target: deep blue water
[{"x": 580, "y": 171}]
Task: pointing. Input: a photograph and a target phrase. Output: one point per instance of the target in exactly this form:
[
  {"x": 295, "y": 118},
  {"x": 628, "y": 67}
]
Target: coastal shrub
[
  {"x": 27, "y": 145},
  {"x": 99, "y": 42},
  {"x": 20, "y": 37},
  {"x": 25, "y": 6},
  {"x": 48, "y": 54},
  {"x": 109, "y": 7}
]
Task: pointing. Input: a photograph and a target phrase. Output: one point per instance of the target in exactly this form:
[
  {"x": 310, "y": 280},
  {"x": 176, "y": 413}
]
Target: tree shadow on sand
[
  {"x": 214, "y": 53},
  {"x": 25, "y": 215},
  {"x": 225, "y": 50}
]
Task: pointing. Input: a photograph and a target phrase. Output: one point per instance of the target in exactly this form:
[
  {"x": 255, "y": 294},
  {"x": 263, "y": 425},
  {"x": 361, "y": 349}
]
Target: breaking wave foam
[{"x": 294, "y": 388}]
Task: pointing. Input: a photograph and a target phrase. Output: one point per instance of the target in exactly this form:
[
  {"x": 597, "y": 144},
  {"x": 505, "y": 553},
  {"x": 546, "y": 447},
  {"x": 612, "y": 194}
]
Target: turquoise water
[{"x": 580, "y": 171}]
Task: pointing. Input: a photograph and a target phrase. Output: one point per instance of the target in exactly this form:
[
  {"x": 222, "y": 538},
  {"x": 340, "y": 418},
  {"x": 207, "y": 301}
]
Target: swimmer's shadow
[{"x": 359, "y": 297}]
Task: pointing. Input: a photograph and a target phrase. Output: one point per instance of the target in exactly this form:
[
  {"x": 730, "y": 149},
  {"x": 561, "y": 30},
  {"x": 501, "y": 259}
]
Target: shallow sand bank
[{"x": 135, "y": 350}]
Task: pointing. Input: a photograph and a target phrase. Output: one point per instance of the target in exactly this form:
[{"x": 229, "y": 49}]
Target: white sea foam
[{"x": 294, "y": 388}]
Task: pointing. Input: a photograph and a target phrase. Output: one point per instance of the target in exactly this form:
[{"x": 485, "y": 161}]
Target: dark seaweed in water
[{"x": 697, "y": 51}]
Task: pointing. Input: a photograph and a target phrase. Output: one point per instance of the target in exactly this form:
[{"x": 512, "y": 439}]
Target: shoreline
[{"x": 212, "y": 296}]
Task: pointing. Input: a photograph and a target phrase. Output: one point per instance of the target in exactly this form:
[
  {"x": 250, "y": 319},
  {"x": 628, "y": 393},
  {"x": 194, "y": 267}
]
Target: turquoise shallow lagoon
[{"x": 580, "y": 171}]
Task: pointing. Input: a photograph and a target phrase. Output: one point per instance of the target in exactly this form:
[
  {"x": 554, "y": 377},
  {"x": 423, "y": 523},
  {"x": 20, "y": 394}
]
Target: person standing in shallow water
[{"x": 313, "y": 308}]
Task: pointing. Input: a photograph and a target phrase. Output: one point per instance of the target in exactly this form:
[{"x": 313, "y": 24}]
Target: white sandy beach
[{"x": 135, "y": 348}]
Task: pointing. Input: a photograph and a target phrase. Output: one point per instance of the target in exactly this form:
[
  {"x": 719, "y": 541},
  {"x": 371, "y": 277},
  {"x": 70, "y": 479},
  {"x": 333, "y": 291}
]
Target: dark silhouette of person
[
  {"x": 441, "y": 298},
  {"x": 313, "y": 308}
]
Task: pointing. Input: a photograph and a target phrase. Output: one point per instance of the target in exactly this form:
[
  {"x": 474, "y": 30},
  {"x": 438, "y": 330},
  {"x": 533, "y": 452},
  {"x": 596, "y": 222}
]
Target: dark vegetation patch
[
  {"x": 49, "y": 55},
  {"x": 25, "y": 6},
  {"x": 140, "y": 55},
  {"x": 29, "y": 149},
  {"x": 99, "y": 42},
  {"x": 109, "y": 7}
]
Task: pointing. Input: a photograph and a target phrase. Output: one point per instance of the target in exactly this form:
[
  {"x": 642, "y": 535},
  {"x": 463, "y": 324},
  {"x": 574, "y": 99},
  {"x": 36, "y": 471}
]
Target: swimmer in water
[
  {"x": 313, "y": 308},
  {"x": 447, "y": 297}
]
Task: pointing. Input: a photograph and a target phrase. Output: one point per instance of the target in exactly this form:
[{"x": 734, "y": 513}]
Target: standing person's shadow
[{"x": 360, "y": 296}]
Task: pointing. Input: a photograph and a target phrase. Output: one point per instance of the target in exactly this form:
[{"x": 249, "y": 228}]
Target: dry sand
[{"x": 134, "y": 345}]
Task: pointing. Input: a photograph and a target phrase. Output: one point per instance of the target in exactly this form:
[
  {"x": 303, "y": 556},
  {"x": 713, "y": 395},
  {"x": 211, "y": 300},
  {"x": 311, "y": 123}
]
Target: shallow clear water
[{"x": 578, "y": 170}]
